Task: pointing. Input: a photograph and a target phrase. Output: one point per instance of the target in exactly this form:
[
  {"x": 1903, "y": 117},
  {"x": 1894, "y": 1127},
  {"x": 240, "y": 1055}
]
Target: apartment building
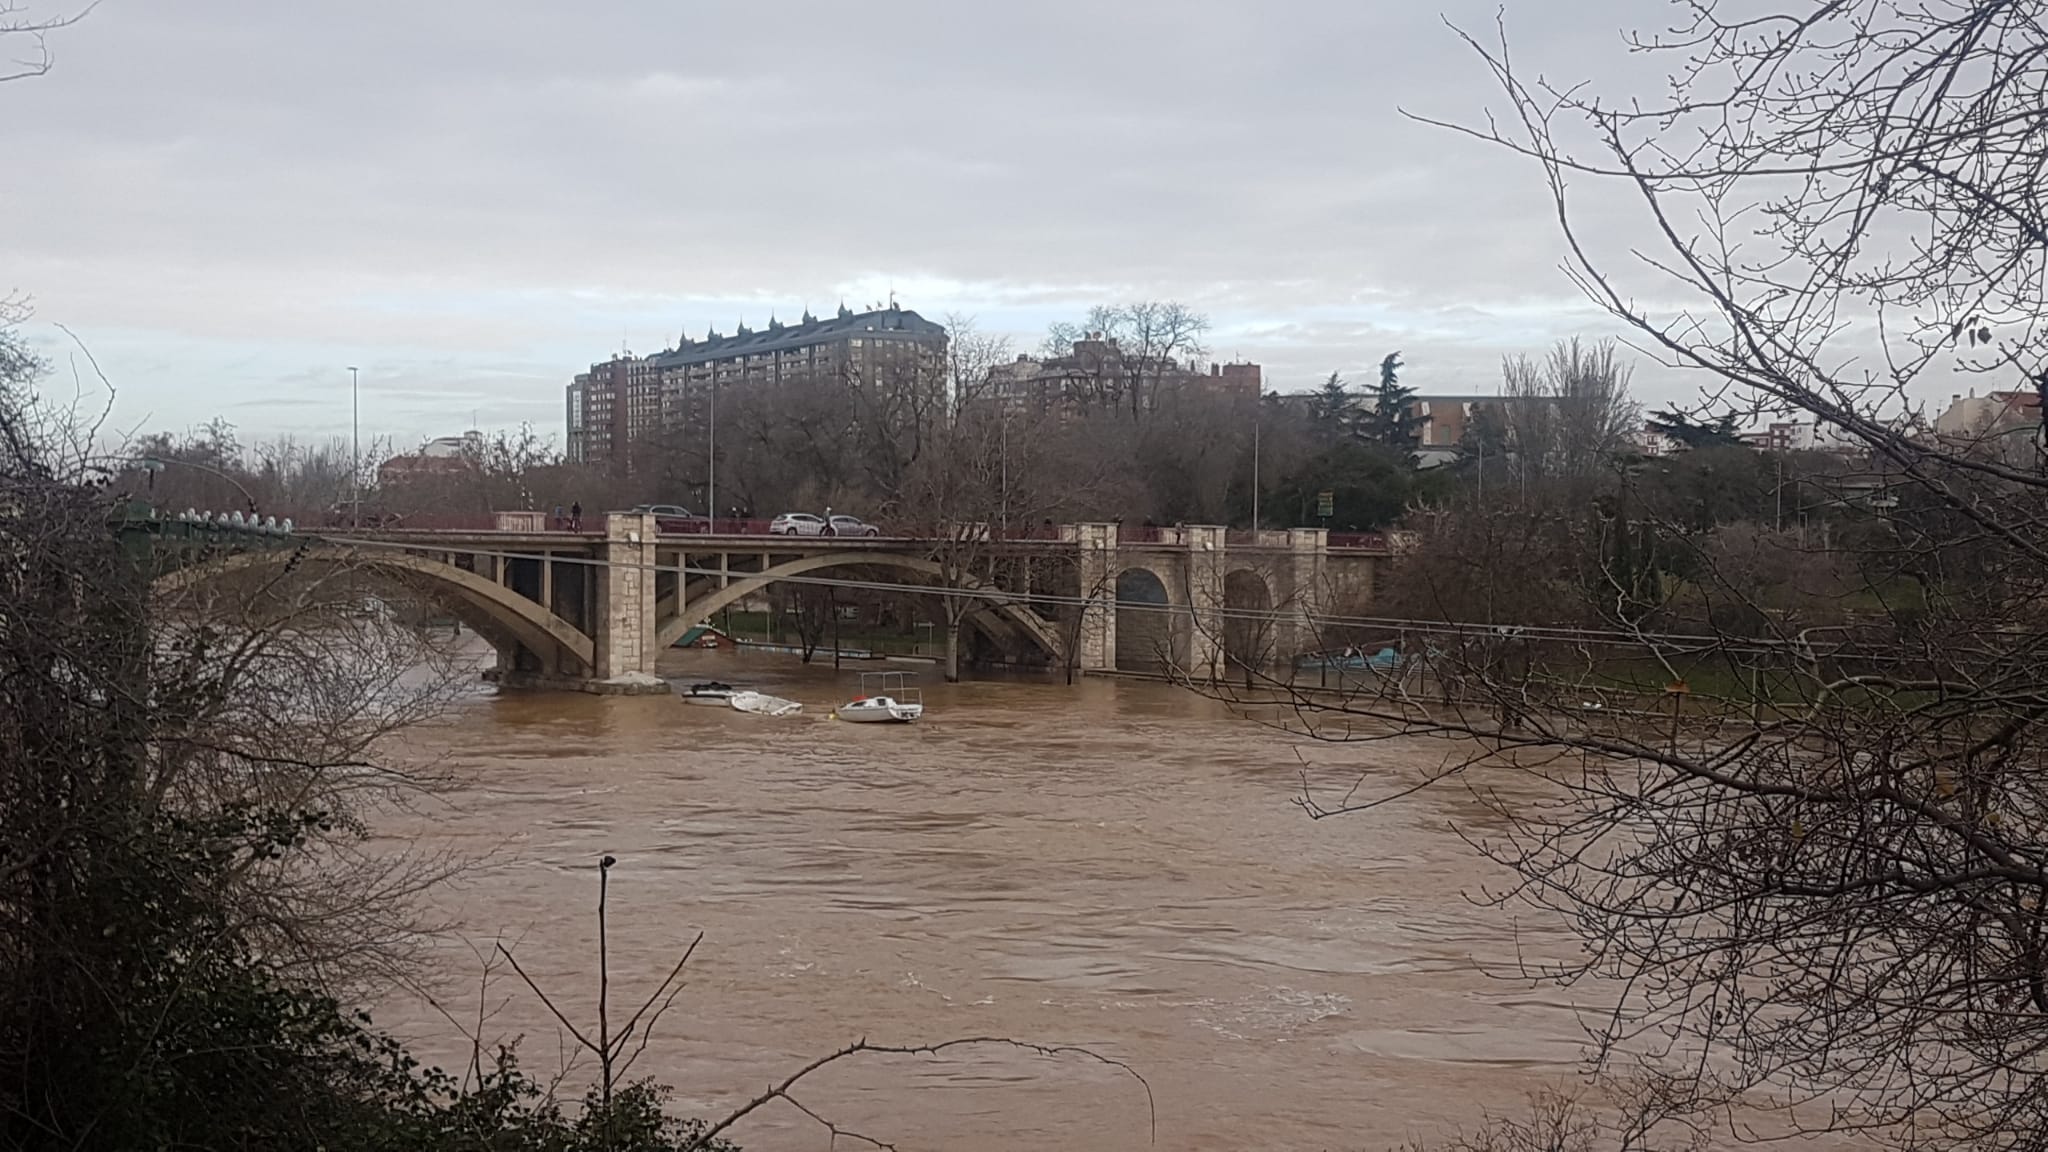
[
  {"x": 627, "y": 398},
  {"x": 1098, "y": 373}
]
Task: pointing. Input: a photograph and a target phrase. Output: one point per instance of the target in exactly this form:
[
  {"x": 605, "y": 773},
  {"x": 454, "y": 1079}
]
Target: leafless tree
[
  {"x": 1570, "y": 416},
  {"x": 972, "y": 356},
  {"x": 258, "y": 684},
  {"x": 1809, "y": 859},
  {"x": 810, "y": 609},
  {"x": 25, "y": 38},
  {"x": 1153, "y": 339}
]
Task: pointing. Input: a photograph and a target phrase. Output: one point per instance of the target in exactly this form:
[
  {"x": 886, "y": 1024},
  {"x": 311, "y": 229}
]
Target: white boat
[
  {"x": 885, "y": 698},
  {"x": 879, "y": 710},
  {"x": 762, "y": 704},
  {"x": 707, "y": 692}
]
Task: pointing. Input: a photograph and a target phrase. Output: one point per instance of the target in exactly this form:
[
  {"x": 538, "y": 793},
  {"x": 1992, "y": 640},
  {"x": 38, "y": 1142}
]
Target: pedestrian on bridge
[
  {"x": 576, "y": 516},
  {"x": 561, "y": 521}
]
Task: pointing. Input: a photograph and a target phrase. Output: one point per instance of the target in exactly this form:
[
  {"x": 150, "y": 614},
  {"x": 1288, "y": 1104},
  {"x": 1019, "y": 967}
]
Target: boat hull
[
  {"x": 762, "y": 704},
  {"x": 886, "y": 714}
]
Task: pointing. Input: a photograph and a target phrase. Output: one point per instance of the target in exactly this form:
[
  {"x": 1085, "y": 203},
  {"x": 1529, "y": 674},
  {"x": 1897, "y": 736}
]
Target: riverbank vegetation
[
  {"x": 194, "y": 749},
  {"x": 188, "y": 911},
  {"x": 1819, "y": 903}
]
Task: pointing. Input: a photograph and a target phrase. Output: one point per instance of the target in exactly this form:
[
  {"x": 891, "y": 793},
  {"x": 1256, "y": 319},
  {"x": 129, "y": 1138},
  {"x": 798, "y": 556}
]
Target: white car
[
  {"x": 805, "y": 524},
  {"x": 797, "y": 524},
  {"x": 849, "y": 526}
]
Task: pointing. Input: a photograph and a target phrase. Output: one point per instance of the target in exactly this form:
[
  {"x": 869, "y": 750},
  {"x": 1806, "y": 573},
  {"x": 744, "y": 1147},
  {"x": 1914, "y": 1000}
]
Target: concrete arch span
[
  {"x": 1014, "y": 616},
  {"x": 511, "y": 622}
]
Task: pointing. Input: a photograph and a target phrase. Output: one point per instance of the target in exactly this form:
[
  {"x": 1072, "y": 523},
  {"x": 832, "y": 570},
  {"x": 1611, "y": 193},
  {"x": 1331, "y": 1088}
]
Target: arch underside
[
  {"x": 1152, "y": 631},
  {"x": 1004, "y": 621},
  {"x": 1250, "y": 633},
  {"x": 524, "y": 633}
]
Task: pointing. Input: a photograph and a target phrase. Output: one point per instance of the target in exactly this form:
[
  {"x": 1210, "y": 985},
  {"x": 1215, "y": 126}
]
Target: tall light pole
[
  {"x": 1255, "y": 473},
  {"x": 711, "y": 462},
  {"x": 355, "y": 454}
]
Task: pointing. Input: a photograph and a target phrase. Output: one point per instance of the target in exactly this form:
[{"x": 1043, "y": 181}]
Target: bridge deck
[{"x": 499, "y": 539}]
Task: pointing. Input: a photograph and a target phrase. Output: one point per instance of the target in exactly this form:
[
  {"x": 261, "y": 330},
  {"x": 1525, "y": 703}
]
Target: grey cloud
[{"x": 481, "y": 198}]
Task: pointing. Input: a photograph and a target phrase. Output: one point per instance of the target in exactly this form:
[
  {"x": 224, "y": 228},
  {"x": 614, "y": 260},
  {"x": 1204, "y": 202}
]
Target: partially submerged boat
[
  {"x": 885, "y": 698},
  {"x": 707, "y": 692},
  {"x": 1353, "y": 660},
  {"x": 762, "y": 704}
]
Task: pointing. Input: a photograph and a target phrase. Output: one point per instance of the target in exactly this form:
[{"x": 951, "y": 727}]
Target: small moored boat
[
  {"x": 1353, "y": 659},
  {"x": 762, "y": 704},
  {"x": 707, "y": 692},
  {"x": 885, "y": 698}
]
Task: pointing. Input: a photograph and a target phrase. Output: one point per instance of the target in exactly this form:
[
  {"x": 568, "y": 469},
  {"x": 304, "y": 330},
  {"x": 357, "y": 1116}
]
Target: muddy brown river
[{"x": 1117, "y": 864}]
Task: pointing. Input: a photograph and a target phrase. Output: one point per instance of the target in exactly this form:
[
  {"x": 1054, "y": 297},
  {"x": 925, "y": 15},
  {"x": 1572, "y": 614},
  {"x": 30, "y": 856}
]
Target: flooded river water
[{"x": 1114, "y": 864}]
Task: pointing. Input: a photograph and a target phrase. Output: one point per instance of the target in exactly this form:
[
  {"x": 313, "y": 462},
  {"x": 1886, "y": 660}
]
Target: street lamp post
[
  {"x": 355, "y": 455},
  {"x": 711, "y": 463},
  {"x": 1255, "y": 474}
]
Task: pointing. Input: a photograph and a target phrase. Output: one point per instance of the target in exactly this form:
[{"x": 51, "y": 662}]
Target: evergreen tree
[
  {"x": 1334, "y": 408},
  {"x": 1673, "y": 423},
  {"x": 1390, "y": 422},
  {"x": 1486, "y": 434}
]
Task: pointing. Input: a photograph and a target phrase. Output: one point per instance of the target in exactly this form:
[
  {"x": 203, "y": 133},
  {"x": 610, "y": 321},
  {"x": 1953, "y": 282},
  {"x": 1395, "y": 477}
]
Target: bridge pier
[
  {"x": 1207, "y": 559},
  {"x": 627, "y": 640},
  {"x": 1308, "y": 554},
  {"x": 1098, "y": 571}
]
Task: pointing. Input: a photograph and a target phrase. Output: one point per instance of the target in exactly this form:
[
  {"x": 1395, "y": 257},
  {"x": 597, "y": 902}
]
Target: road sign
[{"x": 1326, "y": 503}]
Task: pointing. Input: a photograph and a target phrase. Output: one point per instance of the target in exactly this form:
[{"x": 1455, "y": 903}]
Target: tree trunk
[{"x": 952, "y": 651}]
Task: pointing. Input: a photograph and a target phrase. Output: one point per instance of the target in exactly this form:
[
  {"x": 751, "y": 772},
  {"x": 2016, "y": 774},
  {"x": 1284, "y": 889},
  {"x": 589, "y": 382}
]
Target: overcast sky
[{"x": 230, "y": 201}]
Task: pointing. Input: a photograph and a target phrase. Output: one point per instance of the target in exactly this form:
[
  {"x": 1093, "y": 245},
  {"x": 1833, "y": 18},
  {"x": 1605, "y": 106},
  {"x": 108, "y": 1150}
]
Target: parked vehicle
[
  {"x": 849, "y": 526},
  {"x": 344, "y": 514},
  {"x": 797, "y": 524},
  {"x": 674, "y": 518}
]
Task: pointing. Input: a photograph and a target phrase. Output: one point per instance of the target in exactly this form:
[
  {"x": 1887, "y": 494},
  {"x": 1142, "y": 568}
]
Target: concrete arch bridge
[{"x": 590, "y": 609}]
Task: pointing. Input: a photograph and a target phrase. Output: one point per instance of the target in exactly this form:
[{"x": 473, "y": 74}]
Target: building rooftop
[{"x": 778, "y": 336}]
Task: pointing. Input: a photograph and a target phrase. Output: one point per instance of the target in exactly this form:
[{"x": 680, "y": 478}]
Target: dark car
[
  {"x": 674, "y": 518},
  {"x": 346, "y": 514}
]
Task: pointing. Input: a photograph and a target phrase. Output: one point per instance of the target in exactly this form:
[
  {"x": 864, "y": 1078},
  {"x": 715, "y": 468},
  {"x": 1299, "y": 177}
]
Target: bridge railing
[
  {"x": 723, "y": 526},
  {"x": 397, "y": 522},
  {"x": 1375, "y": 540}
]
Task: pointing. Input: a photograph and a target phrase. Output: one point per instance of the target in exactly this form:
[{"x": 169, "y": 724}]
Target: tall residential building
[
  {"x": 627, "y": 398},
  {"x": 577, "y": 388}
]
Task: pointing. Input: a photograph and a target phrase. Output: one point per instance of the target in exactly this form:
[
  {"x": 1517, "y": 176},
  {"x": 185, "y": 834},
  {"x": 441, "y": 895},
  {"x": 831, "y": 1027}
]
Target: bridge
[{"x": 595, "y": 609}]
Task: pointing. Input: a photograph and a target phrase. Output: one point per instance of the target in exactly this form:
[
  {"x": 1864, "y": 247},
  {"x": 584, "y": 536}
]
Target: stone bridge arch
[
  {"x": 1152, "y": 625},
  {"x": 1250, "y": 626},
  {"x": 1014, "y": 618},
  {"x": 522, "y": 631}
]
